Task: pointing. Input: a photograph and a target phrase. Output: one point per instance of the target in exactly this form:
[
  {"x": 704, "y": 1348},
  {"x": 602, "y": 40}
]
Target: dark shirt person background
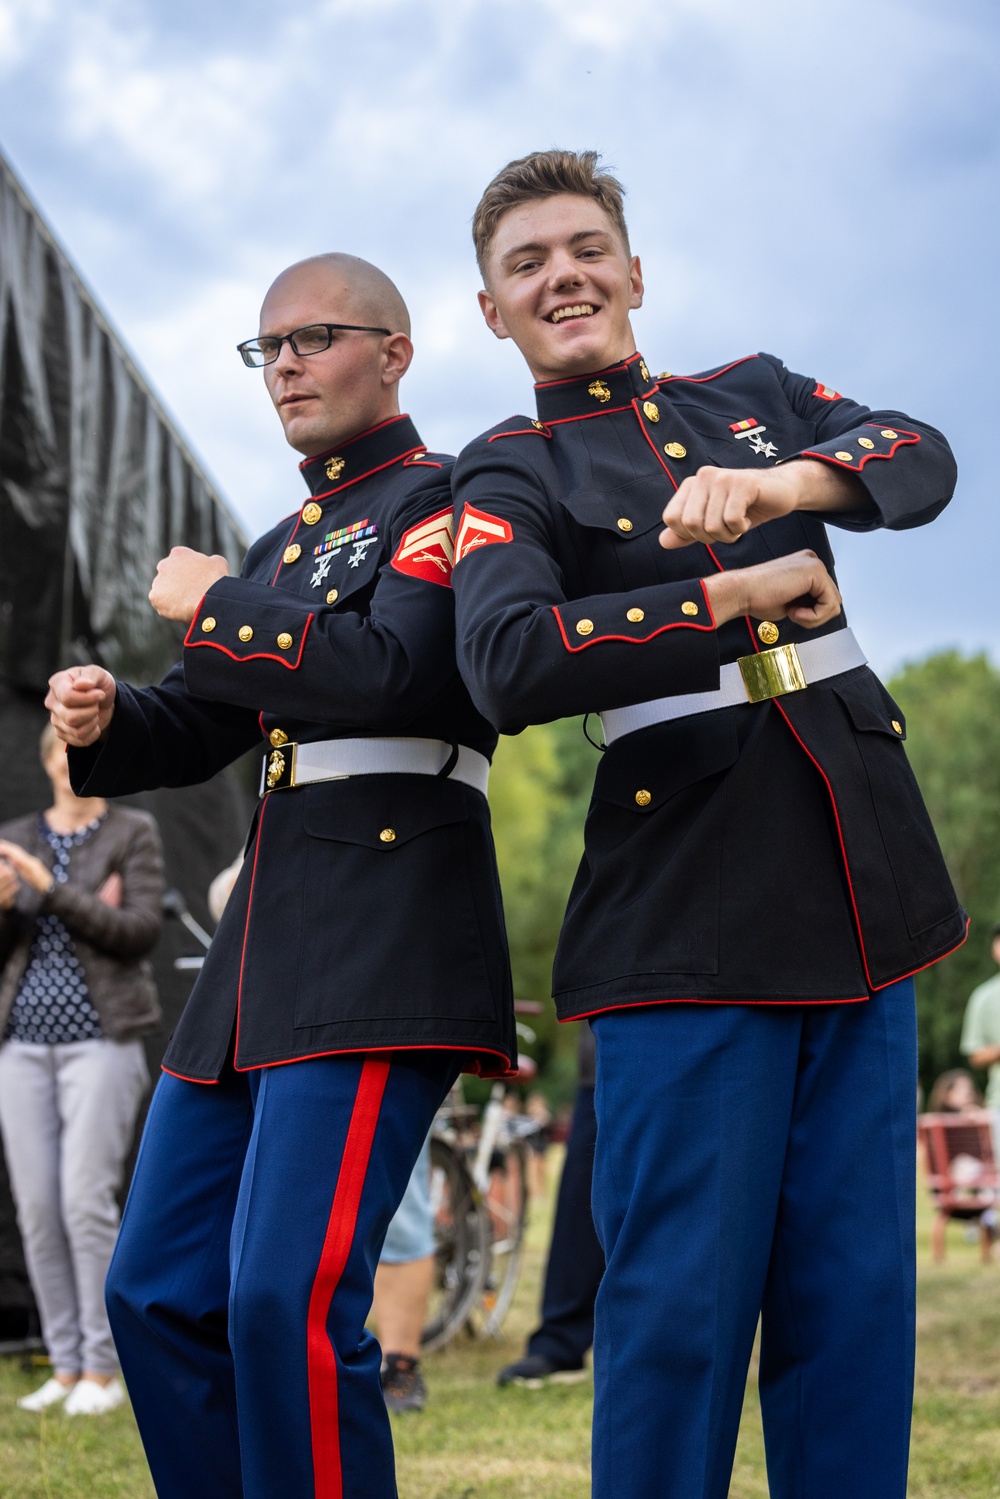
[
  {"x": 360, "y": 962},
  {"x": 81, "y": 889}
]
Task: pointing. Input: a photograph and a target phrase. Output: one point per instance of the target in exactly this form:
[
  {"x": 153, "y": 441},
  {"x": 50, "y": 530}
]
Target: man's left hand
[
  {"x": 182, "y": 580},
  {"x": 722, "y": 504}
]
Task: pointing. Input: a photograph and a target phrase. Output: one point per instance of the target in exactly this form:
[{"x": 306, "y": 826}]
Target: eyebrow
[{"x": 574, "y": 239}]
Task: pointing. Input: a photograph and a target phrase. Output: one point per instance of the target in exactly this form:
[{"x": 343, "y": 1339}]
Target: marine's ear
[{"x": 491, "y": 313}]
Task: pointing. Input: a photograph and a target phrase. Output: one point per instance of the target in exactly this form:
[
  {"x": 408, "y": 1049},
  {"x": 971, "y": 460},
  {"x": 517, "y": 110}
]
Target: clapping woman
[{"x": 81, "y": 888}]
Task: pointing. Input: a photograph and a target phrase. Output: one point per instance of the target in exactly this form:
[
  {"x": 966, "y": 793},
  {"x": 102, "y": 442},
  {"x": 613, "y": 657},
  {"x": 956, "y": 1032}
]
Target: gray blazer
[{"x": 110, "y": 942}]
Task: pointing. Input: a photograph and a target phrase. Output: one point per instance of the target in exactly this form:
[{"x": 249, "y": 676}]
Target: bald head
[{"x": 354, "y": 289}]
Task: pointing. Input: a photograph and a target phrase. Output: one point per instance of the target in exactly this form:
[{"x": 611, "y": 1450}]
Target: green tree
[{"x": 952, "y": 708}]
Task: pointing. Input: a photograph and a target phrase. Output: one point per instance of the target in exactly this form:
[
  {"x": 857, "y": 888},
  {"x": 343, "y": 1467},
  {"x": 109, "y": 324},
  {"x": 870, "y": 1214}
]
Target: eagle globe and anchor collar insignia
[
  {"x": 360, "y": 456},
  {"x": 612, "y": 389}
]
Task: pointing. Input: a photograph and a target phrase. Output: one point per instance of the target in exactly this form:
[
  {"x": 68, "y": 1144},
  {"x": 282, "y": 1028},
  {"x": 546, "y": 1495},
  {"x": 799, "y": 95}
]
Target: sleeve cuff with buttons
[
  {"x": 635, "y": 617},
  {"x": 238, "y": 623},
  {"x": 906, "y": 468}
]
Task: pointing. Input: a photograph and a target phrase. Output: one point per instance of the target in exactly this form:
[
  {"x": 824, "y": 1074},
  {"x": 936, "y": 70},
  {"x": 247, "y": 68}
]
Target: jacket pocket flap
[
  {"x": 381, "y": 812},
  {"x": 643, "y": 770},
  {"x": 640, "y": 503},
  {"x": 869, "y": 707}
]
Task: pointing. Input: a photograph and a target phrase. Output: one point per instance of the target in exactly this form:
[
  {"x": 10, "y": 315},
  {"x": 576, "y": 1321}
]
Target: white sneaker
[
  {"x": 88, "y": 1398},
  {"x": 50, "y": 1393}
]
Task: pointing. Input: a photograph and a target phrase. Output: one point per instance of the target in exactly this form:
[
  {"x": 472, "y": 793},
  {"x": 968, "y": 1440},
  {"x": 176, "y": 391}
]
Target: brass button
[
  {"x": 651, "y": 411},
  {"x": 643, "y": 798},
  {"x": 643, "y": 369},
  {"x": 285, "y": 642},
  {"x": 388, "y": 835},
  {"x": 635, "y": 615},
  {"x": 897, "y": 725},
  {"x": 689, "y": 607},
  {"x": 624, "y": 524},
  {"x": 664, "y": 375},
  {"x": 585, "y": 627},
  {"x": 333, "y": 596},
  {"x": 245, "y": 633},
  {"x": 844, "y": 457},
  {"x": 208, "y": 625},
  {"x": 865, "y": 442},
  {"x": 292, "y": 554},
  {"x": 538, "y": 426},
  {"x": 767, "y": 631},
  {"x": 890, "y": 434},
  {"x": 312, "y": 513},
  {"x": 278, "y": 737},
  {"x": 675, "y": 450}
]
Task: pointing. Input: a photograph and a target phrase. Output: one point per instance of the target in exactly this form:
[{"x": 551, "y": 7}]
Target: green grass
[{"x": 475, "y": 1441}]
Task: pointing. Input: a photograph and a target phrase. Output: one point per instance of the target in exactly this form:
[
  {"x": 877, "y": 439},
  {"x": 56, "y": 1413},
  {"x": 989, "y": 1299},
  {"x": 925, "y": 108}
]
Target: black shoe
[
  {"x": 533, "y": 1371},
  {"x": 402, "y": 1383}
]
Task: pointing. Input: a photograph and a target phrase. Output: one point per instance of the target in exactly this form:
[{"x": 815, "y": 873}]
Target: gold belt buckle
[
  {"x": 280, "y": 767},
  {"x": 772, "y": 673}
]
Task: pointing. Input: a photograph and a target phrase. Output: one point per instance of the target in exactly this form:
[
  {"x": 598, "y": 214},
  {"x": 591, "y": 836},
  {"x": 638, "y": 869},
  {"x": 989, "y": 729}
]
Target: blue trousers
[
  {"x": 243, "y": 1274},
  {"x": 755, "y": 1161}
]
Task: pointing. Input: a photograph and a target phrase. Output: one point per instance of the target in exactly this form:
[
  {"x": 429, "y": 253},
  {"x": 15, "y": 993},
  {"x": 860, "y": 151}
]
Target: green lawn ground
[{"x": 475, "y": 1441}]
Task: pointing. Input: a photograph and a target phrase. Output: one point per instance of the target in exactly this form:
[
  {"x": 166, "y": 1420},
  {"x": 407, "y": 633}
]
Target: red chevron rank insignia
[
  {"x": 427, "y": 550},
  {"x": 825, "y": 393},
  {"x": 478, "y": 529}
]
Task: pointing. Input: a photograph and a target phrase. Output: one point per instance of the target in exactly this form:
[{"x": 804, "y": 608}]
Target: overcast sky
[{"x": 819, "y": 181}]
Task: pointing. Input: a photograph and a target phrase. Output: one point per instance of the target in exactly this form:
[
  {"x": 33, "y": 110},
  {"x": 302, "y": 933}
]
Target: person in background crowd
[
  {"x": 981, "y": 1037},
  {"x": 954, "y": 1092},
  {"x": 81, "y": 888},
  {"x": 403, "y": 1284},
  {"x": 557, "y": 1348}
]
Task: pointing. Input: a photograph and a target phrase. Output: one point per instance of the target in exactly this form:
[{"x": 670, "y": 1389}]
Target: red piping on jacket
[
  {"x": 704, "y": 379},
  {"x": 609, "y": 369},
  {"x": 852, "y": 467},
  {"x": 288, "y": 661},
  {"x": 321, "y": 1356},
  {"x": 472, "y": 1051},
  {"x": 541, "y": 431},
  {"x": 203, "y": 1082},
  {"x": 652, "y": 444},
  {"x": 638, "y": 1004},
  {"x": 680, "y": 624},
  {"x": 335, "y": 452}
]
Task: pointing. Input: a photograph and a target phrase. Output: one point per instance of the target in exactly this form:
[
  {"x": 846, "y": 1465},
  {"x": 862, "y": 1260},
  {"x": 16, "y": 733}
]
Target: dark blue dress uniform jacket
[
  {"x": 777, "y": 851},
  {"x": 341, "y": 625}
]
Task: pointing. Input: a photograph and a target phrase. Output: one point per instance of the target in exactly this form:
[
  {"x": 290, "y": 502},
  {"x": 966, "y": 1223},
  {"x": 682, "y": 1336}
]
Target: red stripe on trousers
[{"x": 321, "y": 1358}]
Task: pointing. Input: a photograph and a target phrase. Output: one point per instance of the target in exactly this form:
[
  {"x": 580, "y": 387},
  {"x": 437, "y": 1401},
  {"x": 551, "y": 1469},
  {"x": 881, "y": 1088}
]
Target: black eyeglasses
[{"x": 314, "y": 339}]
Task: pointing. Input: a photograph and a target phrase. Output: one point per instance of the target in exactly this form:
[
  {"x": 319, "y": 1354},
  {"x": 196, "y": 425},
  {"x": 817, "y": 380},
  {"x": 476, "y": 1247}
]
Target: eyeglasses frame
[{"x": 289, "y": 338}]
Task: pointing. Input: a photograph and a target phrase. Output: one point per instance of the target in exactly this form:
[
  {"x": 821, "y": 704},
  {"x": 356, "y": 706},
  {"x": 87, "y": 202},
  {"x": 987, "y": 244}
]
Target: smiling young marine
[{"x": 760, "y": 878}]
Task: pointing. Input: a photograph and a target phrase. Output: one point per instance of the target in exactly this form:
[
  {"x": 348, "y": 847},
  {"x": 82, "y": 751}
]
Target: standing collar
[
  {"x": 362, "y": 455},
  {"x": 607, "y": 390}
]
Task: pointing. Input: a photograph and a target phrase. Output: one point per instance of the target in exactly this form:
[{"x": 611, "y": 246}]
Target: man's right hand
[
  {"x": 797, "y": 587},
  {"x": 81, "y": 702}
]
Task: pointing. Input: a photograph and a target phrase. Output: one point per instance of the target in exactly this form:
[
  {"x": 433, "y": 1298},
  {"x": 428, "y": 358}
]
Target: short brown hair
[{"x": 545, "y": 174}]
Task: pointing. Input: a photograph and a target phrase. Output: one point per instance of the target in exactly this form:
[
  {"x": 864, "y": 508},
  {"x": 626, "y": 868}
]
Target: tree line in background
[{"x": 540, "y": 791}]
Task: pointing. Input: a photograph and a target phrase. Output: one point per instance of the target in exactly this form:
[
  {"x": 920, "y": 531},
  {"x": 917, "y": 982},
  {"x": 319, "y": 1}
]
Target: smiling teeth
[{"x": 561, "y": 313}]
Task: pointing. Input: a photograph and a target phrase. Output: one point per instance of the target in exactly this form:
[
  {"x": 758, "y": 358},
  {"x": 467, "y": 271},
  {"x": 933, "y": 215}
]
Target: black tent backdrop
[{"x": 96, "y": 485}]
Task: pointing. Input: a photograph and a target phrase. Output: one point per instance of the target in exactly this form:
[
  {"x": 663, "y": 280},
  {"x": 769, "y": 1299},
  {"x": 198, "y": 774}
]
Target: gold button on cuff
[
  {"x": 897, "y": 725},
  {"x": 333, "y": 596},
  {"x": 624, "y": 524},
  {"x": 865, "y": 442},
  {"x": 208, "y": 625},
  {"x": 585, "y": 627},
  {"x": 285, "y": 642},
  {"x": 767, "y": 632},
  {"x": 844, "y": 457},
  {"x": 312, "y": 513},
  {"x": 278, "y": 737},
  {"x": 245, "y": 633},
  {"x": 388, "y": 835},
  {"x": 890, "y": 434},
  {"x": 675, "y": 450},
  {"x": 636, "y": 615},
  {"x": 689, "y": 607},
  {"x": 292, "y": 554},
  {"x": 650, "y": 411},
  {"x": 643, "y": 798}
]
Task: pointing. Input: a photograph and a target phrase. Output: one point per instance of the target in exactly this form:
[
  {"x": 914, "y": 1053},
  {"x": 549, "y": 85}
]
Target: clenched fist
[
  {"x": 182, "y": 580},
  {"x": 722, "y": 504},
  {"x": 81, "y": 702},
  {"x": 797, "y": 587}
]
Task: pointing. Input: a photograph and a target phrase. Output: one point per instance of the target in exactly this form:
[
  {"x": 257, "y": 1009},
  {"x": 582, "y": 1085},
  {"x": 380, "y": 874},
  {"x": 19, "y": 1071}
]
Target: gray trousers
[{"x": 67, "y": 1115}]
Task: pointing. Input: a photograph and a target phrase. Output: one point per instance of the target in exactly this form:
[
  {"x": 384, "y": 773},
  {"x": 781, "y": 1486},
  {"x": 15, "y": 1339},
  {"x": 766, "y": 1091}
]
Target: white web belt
[
  {"x": 293, "y": 764},
  {"x": 751, "y": 679}
]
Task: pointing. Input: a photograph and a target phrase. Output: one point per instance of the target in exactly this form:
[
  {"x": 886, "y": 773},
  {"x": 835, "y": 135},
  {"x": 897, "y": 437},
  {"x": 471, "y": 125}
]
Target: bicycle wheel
[
  {"x": 507, "y": 1208},
  {"x": 461, "y": 1239}
]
